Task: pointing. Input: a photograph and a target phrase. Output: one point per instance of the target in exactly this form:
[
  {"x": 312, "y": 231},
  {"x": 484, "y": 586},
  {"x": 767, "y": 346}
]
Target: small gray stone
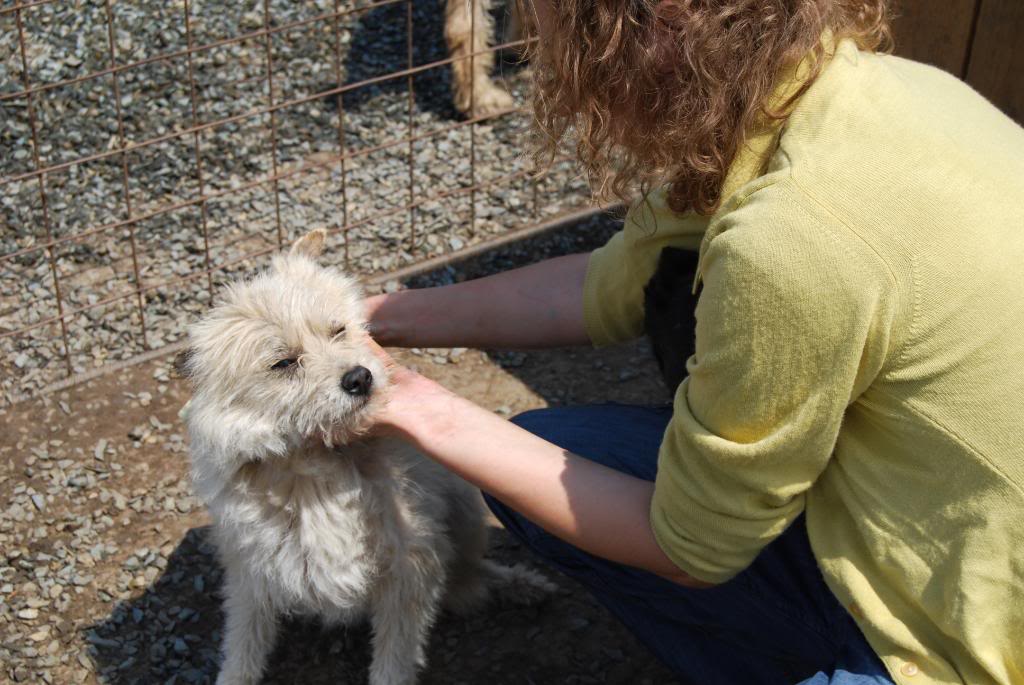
[{"x": 95, "y": 639}]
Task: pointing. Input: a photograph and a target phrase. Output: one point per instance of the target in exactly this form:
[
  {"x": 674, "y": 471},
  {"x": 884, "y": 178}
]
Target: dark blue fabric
[{"x": 775, "y": 623}]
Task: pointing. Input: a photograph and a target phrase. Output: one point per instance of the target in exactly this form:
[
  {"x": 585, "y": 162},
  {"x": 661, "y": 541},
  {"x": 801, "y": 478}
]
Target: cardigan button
[{"x": 909, "y": 669}]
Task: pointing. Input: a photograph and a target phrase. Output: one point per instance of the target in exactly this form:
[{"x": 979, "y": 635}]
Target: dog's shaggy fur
[{"x": 310, "y": 518}]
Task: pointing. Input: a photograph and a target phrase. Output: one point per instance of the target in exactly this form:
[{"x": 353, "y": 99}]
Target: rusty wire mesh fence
[{"x": 151, "y": 150}]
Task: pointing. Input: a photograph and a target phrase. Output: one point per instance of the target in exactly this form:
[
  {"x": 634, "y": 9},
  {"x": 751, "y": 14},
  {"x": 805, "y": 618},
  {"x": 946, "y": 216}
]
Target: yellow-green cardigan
[{"x": 860, "y": 357}]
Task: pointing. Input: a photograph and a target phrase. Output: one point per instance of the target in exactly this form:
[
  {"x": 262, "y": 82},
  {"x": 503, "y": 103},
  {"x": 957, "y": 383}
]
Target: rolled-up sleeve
[
  {"x": 790, "y": 329},
  {"x": 617, "y": 272}
]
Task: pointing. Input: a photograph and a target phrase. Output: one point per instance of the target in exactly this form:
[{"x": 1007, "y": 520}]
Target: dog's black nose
[{"x": 357, "y": 381}]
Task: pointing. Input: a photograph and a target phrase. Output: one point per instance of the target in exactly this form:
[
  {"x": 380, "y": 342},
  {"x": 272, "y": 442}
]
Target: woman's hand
[{"x": 409, "y": 398}]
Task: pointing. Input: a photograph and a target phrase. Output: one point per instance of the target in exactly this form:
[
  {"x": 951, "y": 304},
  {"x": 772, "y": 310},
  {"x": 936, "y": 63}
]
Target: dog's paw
[
  {"x": 519, "y": 585},
  {"x": 391, "y": 673},
  {"x": 490, "y": 99}
]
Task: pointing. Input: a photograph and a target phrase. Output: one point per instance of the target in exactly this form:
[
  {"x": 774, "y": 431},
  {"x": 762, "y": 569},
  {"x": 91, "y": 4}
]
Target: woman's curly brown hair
[{"x": 663, "y": 91}]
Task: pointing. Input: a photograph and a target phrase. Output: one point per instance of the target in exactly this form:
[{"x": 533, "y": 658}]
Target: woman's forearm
[
  {"x": 540, "y": 305},
  {"x": 590, "y": 506}
]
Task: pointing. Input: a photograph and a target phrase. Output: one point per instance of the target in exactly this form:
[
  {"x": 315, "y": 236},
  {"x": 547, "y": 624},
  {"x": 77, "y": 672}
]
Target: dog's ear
[
  {"x": 183, "y": 363},
  {"x": 310, "y": 245}
]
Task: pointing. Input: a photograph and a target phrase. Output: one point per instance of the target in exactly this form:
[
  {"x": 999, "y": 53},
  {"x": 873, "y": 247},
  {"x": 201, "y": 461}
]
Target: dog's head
[{"x": 281, "y": 361}]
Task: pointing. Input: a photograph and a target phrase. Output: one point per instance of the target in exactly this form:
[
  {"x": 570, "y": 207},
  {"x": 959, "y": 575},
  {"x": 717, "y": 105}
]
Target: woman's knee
[{"x": 544, "y": 423}]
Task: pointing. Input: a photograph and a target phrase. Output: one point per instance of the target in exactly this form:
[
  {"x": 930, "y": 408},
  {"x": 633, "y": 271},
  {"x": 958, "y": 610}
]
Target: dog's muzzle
[{"x": 357, "y": 381}]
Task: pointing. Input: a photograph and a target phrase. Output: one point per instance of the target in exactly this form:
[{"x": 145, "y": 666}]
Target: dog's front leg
[
  {"x": 403, "y": 611},
  {"x": 250, "y": 630}
]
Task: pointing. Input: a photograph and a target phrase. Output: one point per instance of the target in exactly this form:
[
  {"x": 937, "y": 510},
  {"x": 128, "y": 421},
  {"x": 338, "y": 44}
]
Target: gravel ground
[
  {"x": 106, "y": 575},
  {"x": 65, "y": 40}
]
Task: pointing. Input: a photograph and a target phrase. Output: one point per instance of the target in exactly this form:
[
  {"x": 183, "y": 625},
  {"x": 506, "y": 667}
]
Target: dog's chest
[{"x": 317, "y": 540}]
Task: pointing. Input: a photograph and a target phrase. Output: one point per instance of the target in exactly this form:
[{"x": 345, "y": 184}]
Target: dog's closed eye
[
  {"x": 285, "y": 364},
  {"x": 337, "y": 330}
]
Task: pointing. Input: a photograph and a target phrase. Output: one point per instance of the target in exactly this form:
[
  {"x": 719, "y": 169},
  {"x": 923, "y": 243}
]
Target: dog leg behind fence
[
  {"x": 468, "y": 28},
  {"x": 403, "y": 612},
  {"x": 250, "y": 631}
]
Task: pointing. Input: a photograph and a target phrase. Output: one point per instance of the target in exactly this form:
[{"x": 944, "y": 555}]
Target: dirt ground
[{"x": 106, "y": 575}]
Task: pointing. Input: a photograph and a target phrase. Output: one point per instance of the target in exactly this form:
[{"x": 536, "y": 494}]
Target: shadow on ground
[{"x": 176, "y": 625}]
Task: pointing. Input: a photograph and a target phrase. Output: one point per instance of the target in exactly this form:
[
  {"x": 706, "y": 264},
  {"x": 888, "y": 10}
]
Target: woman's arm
[
  {"x": 540, "y": 305},
  {"x": 590, "y": 506}
]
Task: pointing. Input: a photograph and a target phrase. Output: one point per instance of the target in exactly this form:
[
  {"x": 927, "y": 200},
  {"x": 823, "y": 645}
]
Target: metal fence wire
[{"x": 151, "y": 150}]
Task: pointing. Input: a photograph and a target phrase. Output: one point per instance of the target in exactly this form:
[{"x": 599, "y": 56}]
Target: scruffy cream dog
[{"x": 309, "y": 519}]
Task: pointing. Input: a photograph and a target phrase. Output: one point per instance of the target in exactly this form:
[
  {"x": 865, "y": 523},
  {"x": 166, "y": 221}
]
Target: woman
[{"x": 837, "y": 494}]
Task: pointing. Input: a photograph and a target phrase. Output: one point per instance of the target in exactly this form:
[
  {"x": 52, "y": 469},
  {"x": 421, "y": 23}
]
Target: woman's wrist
[
  {"x": 415, "y": 406},
  {"x": 385, "y": 318}
]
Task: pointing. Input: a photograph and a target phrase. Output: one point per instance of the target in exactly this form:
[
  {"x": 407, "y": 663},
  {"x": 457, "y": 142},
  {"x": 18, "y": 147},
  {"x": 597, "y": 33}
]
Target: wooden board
[
  {"x": 935, "y": 32},
  {"x": 997, "y": 60}
]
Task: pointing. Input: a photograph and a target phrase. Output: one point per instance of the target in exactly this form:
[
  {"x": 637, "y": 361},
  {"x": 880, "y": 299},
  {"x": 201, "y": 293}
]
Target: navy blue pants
[{"x": 776, "y": 622}]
